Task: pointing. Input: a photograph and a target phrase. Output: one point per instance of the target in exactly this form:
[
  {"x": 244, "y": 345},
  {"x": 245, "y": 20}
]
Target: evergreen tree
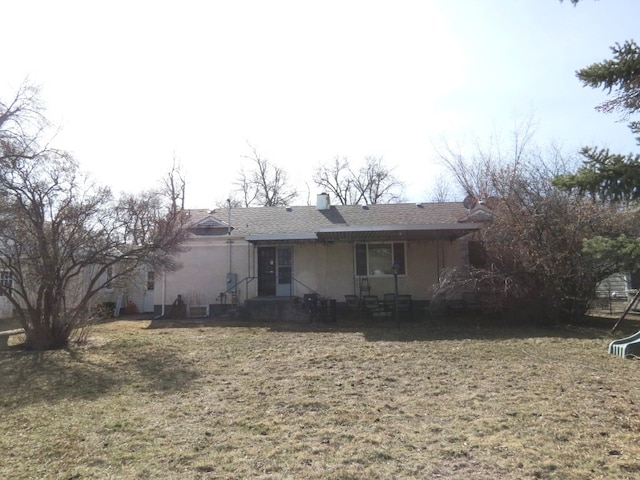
[
  {"x": 604, "y": 177},
  {"x": 612, "y": 179},
  {"x": 620, "y": 76}
]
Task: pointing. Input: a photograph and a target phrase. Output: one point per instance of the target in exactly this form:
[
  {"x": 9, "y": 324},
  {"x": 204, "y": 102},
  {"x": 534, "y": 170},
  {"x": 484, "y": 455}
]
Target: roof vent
[
  {"x": 323, "y": 202},
  {"x": 365, "y": 207},
  {"x": 288, "y": 209},
  {"x": 419, "y": 205}
]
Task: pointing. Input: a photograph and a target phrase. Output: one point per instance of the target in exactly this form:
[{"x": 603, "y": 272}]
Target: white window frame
[
  {"x": 370, "y": 270},
  {"x": 151, "y": 280},
  {"x": 6, "y": 279}
]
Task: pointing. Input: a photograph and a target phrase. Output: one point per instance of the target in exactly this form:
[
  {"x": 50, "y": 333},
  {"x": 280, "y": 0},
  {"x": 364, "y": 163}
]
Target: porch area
[{"x": 309, "y": 308}]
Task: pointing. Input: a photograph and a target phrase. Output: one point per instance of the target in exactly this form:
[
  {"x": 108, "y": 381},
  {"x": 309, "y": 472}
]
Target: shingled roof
[{"x": 403, "y": 221}]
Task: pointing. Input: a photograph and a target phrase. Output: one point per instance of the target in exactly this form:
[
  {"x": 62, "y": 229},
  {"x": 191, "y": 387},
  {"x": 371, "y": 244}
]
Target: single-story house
[
  {"x": 132, "y": 294},
  {"x": 6, "y": 307},
  {"x": 236, "y": 255},
  {"x": 616, "y": 285}
]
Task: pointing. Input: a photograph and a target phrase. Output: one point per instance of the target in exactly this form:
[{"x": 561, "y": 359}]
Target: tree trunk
[
  {"x": 46, "y": 330},
  {"x": 43, "y": 337}
]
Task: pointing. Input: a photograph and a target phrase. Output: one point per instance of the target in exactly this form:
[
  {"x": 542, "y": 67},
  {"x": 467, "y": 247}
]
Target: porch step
[{"x": 274, "y": 309}]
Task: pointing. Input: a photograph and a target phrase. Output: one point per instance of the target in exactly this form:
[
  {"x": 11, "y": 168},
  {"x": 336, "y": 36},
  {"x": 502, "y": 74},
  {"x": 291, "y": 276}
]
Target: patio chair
[
  {"x": 353, "y": 303},
  {"x": 405, "y": 306},
  {"x": 365, "y": 288},
  {"x": 389, "y": 300},
  {"x": 310, "y": 305},
  {"x": 374, "y": 307}
]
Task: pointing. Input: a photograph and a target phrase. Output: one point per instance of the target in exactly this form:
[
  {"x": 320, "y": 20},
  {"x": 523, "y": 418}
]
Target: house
[
  {"x": 131, "y": 293},
  {"x": 6, "y": 307},
  {"x": 616, "y": 285},
  {"x": 239, "y": 255}
]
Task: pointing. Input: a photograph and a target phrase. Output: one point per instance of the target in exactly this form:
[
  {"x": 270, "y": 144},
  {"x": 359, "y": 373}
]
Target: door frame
[{"x": 275, "y": 271}]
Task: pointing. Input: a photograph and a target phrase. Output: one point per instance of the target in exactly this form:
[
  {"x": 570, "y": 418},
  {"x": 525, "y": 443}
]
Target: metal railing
[{"x": 235, "y": 289}]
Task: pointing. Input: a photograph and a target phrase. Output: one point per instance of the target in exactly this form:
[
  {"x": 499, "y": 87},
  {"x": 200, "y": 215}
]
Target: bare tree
[
  {"x": 441, "y": 190},
  {"x": 372, "y": 183},
  {"x": 63, "y": 238},
  {"x": 535, "y": 240},
  {"x": 337, "y": 180},
  {"x": 173, "y": 186},
  {"x": 376, "y": 183},
  {"x": 245, "y": 187},
  {"x": 231, "y": 202},
  {"x": 265, "y": 184},
  {"x": 475, "y": 171},
  {"x": 21, "y": 118}
]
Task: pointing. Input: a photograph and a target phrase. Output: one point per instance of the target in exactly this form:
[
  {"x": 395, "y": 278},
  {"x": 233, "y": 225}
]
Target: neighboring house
[
  {"x": 618, "y": 285},
  {"x": 6, "y": 307},
  {"x": 268, "y": 252},
  {"x": 131, "y": 294}
]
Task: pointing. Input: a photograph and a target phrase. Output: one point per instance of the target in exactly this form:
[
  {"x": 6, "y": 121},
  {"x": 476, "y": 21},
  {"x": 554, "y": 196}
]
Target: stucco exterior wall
[
  {"x": 6, "y": 309},
  {"x": 75, "y": 291},
  {"x": 138, "y": 294},
  {"x": 202, "y": 275},
  {"x": 425, "y": 261},
  {"x": 325, "y": 268}
]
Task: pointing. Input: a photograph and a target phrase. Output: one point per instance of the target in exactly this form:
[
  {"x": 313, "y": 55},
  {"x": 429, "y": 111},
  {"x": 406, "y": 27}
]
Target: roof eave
[
  {"x": 280, "y": 237},
  {"x": 445, "y": 231}
]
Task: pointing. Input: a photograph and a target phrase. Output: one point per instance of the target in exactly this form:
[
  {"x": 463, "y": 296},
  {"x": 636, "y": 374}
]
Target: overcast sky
[{"x": 131, "y": 83}]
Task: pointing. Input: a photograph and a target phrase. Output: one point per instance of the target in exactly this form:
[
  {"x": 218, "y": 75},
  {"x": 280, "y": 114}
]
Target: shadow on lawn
[
  {"x": 452, "y": 330},
  {"x": 162, "y": 323},
  {"x": 469, "y": 327},
  {"x": 53, "y": 376},
  {"x": 445, "y": 328}
]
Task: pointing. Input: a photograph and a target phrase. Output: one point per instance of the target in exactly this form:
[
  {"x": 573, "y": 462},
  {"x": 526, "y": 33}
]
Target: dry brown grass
[{"x": 187, "y": 401}]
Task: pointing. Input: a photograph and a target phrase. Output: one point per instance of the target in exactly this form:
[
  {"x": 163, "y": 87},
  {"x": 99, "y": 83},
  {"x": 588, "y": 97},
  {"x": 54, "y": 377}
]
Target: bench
[{"x": 4, "y": 337}]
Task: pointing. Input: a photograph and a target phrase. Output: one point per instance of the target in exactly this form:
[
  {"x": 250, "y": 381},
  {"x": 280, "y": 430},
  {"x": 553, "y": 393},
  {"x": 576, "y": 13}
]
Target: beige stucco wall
[
  {"x": 6, "y": 308},
  {"x": 425, "y": 261},
  {"x": 202, "y": 275},
  {"x": 327, "y": 269}
]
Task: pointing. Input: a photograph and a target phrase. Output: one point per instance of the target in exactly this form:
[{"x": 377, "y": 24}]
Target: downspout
[
  {"x": 164, "y": 290},
  {"x": 250, "y": 269},
  {"x": 232, "y": 283},
  {"x": 229, "y": 233}
]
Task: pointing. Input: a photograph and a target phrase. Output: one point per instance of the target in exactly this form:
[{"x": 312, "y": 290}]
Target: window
[
  {"x": 108, "y": 285},
  {"x": 151, "y": 281},
  {"x": 285, "y": 262},
  {"x": 374, "y": 259},
  {"x": 477, "y": 254},
  {"x": 6, "y": 282}
]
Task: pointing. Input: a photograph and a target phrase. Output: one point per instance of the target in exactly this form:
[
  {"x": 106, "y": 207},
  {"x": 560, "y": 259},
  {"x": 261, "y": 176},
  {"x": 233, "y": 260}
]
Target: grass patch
[{"x": 205, "y": 401}]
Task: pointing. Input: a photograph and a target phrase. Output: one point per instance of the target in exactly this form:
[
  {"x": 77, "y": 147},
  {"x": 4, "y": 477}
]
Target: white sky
[{"x": 130, "y": 83}]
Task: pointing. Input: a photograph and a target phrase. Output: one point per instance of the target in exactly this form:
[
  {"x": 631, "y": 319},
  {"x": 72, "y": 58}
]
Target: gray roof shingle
[{"x": 303, "y": 220}]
